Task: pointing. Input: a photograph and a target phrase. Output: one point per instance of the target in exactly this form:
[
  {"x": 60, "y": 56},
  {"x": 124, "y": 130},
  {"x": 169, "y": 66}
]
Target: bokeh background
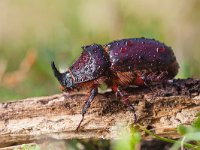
[{"x": 35, "y": 32}]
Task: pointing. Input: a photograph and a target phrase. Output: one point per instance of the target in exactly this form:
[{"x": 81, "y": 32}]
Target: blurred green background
[{"x": 35, "y": 32}]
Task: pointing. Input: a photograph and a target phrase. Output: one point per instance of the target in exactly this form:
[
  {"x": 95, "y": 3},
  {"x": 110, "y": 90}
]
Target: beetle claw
[
  {"x": 124, "y": 98},
  {"x": 132, "y": 108},
  {"x": 79, "y": 125}
]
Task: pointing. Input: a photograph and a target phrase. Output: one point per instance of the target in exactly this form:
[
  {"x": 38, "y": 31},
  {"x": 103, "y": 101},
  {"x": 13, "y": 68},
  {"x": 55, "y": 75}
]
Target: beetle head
[{"x": 65, "y": 78}]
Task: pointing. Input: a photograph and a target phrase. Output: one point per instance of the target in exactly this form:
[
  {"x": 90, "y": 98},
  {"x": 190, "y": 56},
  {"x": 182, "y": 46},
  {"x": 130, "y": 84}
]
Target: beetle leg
[
  {"x": 141, "y": 80},
  {"x": 124, "y": 99},
  {"x": 93, "y": 93},
  {"x": 152, "y": 77},
  {"x": 157, "y": 76},
  {"x": 162, "y": 76}
]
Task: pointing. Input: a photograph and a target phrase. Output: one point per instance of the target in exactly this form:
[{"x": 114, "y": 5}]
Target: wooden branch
[{"x": 161, "y": 109}]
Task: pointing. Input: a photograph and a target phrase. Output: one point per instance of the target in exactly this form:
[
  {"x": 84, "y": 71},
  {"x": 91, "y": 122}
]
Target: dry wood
[{"x": 161, "y": 109}]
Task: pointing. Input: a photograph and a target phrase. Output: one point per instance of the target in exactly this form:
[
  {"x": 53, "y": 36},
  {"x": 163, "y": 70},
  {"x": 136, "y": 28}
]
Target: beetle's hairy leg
[
  {"x": 115, "y": 89},
  {"x": 162, "y": 76},
  {"x": 93, "y": 93},
  {"x": 141, "y": 80},
  {"x": 124, "y": 98},
  {"x": 157, "y": 77}
]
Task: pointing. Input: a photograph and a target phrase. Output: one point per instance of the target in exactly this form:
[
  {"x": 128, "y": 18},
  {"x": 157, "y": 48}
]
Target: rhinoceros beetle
[{"x": 119, "y": 64}]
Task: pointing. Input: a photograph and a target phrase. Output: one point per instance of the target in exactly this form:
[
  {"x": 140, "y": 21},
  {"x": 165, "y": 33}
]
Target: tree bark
[{"x": 160, "y": 108}]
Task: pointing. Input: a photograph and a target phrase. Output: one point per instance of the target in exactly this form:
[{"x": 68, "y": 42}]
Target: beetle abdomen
[{"x": 139, "y": 54}]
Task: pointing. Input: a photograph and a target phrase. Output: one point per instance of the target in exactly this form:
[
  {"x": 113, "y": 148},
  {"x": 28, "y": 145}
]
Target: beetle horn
[{"x": 58, "y": 75}]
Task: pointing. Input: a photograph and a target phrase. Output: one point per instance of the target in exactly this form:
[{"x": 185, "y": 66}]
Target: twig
[{"x": 162, "y": 109}]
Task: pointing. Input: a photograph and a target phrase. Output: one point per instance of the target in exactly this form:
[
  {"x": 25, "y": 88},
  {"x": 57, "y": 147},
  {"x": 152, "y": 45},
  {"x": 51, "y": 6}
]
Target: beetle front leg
[
  {"x": 124, "y": 98},
  {"x": 87, "y": 104}
]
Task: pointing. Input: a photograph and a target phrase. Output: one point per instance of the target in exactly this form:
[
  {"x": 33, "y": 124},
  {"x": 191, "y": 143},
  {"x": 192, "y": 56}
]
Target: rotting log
[{"x": 160, "y": 108}]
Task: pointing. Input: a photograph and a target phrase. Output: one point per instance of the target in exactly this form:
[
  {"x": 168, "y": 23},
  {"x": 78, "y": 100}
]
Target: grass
[{"x": 188, "y": 134}]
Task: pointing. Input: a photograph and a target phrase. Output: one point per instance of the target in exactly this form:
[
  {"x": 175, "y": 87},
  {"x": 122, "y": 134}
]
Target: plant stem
[{"x": 166, "y": 139}]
